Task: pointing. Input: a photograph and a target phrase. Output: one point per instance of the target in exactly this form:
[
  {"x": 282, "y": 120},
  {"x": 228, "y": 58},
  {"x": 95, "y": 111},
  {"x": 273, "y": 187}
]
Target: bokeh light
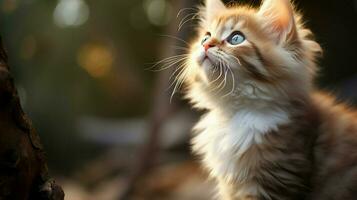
[
  {"x": 96, "y": 59},
  {"x": 71, "y": 13},
  {"x": 159, "y": 12}
]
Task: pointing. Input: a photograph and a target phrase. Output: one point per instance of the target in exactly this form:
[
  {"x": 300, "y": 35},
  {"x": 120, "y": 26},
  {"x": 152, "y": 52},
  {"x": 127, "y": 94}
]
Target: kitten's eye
[
  {"x": 205, "y": 38},
  {"x": 236, "y": 38}
]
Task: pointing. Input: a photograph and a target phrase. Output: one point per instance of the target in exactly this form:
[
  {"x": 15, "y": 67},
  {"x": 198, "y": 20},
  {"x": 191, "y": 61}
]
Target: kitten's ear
[
  {"x": 213, "y": 7},
  {"x": 279, "y": 17}
]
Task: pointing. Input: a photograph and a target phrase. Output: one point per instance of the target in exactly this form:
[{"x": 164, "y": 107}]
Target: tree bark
[{"x": 23, "y": 168}]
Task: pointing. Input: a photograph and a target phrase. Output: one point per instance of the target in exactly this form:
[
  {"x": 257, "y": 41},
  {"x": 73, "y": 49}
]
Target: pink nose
[{"x": 208, "y": 45}]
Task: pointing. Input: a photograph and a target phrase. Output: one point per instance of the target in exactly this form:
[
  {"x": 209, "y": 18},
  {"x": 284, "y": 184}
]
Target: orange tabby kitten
[{"x": 267, "y": 133}]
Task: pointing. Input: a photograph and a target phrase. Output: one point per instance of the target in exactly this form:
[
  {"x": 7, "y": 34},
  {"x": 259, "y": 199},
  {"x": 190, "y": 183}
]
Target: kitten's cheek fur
[{"x": 200, "y": 57}]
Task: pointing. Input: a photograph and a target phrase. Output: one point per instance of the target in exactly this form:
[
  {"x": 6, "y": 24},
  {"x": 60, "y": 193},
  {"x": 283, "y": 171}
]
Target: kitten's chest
[
  {"x": 222, "y": 150},
  {"x": 224, "y": 144}
]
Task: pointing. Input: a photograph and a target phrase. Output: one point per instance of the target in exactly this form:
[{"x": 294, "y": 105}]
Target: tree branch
[{"x": 23, "y": 168}]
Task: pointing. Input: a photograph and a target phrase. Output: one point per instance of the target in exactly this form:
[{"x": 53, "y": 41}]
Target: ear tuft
[
  {"x": 279, "y": 15},
  {"x": 213, "y": 8}
]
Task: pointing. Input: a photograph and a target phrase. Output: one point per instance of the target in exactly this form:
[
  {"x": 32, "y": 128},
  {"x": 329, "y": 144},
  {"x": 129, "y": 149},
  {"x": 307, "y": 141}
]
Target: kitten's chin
[{"x": 207, "y": 65}]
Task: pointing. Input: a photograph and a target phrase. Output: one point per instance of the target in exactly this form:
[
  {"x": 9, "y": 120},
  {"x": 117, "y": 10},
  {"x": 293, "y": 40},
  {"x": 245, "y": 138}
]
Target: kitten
[{"x": 267, "y": 133}]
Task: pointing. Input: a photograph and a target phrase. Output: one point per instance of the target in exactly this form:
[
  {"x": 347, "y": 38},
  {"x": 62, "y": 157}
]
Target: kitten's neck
[
  {"x": 258, "y": 97},
  {"x": 230, "y": 107}
]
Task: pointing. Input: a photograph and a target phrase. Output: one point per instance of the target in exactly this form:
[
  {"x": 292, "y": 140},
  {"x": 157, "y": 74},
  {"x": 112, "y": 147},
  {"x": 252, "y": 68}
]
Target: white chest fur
[{"x": 221, "y": 141}]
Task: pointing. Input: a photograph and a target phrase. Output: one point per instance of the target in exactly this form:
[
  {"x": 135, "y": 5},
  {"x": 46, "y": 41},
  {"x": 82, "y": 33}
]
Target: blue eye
[{"x": 236, "y": 38}]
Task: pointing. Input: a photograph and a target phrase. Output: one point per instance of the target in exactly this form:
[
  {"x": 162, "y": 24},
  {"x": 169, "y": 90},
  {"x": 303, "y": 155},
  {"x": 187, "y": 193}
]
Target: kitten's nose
[{"x": 208, "y": 45}]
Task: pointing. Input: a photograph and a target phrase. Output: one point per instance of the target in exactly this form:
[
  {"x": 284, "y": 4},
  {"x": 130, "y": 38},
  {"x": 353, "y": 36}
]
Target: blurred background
[{"x": 106, "y": 121}]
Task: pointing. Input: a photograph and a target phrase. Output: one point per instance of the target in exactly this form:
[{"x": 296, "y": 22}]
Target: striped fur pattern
[{"x": 267, "y": 134}]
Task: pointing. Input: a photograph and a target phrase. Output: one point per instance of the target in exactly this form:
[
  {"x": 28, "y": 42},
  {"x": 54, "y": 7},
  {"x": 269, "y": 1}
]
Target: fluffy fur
[{"x": 267, "y": 134}]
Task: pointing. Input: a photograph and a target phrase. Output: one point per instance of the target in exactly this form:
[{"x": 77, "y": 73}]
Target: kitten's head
[{"x": 253, "y": 53}]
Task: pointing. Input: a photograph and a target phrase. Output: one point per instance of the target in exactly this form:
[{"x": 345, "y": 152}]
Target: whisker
[
  {"x": 169, "y": 58},
  {"x": 186, "y": 17},
  {"x": 183, "y": 78},
  {"x": 182, "y": 23},
  {"x": 222, "y": 83},
  {"x": 173, "y": 92},
  {"x": 220, "y": 74},
  {"x": 176, "y": 38},
  {"x": 184, "y": 9},
  {"x": 180, "y": 48},
  {"x": 180, "y": 79},
  {"x": 220, "y": 64},
  {"x": 233, "y": 82},
  {"x": 178, "y": 69},
  {"x": 235, "y": 58},
  {"x": 227, "y": 66},
  {"x": 168, "y": 62},
  {"x": 225, "y": 79}
]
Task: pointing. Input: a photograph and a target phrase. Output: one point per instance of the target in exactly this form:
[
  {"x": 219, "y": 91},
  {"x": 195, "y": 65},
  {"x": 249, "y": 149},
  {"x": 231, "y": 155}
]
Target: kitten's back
[{"x": 335, "y": 150}]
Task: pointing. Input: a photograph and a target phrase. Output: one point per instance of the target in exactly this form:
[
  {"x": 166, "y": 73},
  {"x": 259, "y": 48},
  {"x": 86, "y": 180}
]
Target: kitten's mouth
[
  {"x": 209, "y": 63},
  {"x": 206, "y": 60}
]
